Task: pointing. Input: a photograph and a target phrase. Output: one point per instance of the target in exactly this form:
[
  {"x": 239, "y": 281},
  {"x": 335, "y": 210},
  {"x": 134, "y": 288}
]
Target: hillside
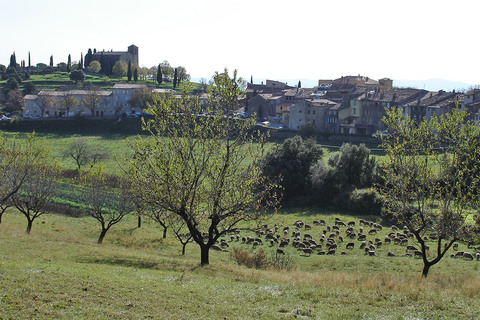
[{"x": 59, "y": 272}]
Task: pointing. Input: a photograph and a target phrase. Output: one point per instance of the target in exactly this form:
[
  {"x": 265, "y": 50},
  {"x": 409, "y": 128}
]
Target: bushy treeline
[{"x": 344, "y": 180}]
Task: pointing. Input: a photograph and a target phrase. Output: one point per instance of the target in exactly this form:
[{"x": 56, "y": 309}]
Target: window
[
  {"x": 313, "y": 111},
  {"x": 354, "y": 103},
  {"x": 354, "y": 110}
]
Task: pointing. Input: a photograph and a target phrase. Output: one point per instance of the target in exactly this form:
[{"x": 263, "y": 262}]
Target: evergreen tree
[
  {"x": 299, "y": 84},
  {"x": 135, "y": 75},
  {"x": 69, "y": 63},
  {"x": 51, "y": 61},
  {"x": 175, "y": 79},
  {"x": 80, "y": 64},
  {"x": 159, "y": 75},
  {"x": 251, "y": 79},
  {"x": 129, "y": 71},
  {"x": 88, "y": 58},
  {"x": 29, "y": 60}
]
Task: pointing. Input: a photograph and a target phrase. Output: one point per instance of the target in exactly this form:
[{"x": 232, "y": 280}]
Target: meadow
[{"x": 59, "y": 271}]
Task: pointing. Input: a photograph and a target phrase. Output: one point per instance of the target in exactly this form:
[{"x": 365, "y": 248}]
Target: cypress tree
[
  {"x": 29, "y": 60},
  {"x": 175, "y": 79},
  {"x": 129, "y": 71},
  {"x": 80, "y": 64},
  {"x": 159, "y": 75},
  {"x": 251, "y": 79},
  {"x": 299, "y": 84},
  {"x": 69, "y": 63},
  {"x": 51, "y": 61},
  {"x": 135, "y": 75}
]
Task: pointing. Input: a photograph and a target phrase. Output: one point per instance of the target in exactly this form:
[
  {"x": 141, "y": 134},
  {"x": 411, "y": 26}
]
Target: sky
[{"x": 266, "y": 39}]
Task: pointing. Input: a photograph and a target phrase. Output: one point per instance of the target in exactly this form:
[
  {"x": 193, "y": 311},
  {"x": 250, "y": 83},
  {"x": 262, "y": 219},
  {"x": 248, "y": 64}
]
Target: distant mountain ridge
[
  {"x": 433, "y": 84},
  {"x": 428, "y": 84}
]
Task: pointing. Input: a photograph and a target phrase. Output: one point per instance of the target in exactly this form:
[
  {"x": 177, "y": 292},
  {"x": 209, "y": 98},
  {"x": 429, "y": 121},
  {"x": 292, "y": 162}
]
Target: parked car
[{"x": 5, "y": 118}]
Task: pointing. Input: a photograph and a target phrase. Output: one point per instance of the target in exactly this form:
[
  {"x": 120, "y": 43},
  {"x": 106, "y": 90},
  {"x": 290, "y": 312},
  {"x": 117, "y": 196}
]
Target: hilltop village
[{"x": 347, "y": 105}]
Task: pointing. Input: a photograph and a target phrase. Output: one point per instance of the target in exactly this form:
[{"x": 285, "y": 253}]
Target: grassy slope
[
  {"x": 56, "y": 80},
  {"x": 59, "y": 272}
]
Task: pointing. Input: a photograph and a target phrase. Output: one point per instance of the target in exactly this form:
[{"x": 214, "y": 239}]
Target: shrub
[
  {"x": 282, "y": 261},
  {"x": 257, "y": 260},
  {"x": 365, "y": 201}
]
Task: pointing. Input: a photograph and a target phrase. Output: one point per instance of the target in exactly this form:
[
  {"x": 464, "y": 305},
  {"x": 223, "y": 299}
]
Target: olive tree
[
  {"x": 430, "y": 178},
  {"x": 203, "y": 169}
]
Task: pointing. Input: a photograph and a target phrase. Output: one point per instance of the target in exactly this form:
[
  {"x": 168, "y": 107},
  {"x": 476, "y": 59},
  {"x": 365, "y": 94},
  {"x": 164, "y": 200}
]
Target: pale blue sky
[{"x": 279, "y": 39}]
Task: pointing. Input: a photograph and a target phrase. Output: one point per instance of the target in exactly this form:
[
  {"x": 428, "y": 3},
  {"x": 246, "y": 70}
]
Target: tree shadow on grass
[{"x": 121, "y": 261}]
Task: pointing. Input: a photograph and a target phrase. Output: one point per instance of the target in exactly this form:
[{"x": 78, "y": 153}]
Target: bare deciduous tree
[
  {"x": 106, "y": 199},
  {"x": 83, "y": 153}
]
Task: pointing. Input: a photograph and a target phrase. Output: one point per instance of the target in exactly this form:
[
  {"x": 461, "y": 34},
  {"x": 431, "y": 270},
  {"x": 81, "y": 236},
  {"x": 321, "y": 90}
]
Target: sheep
[
  {"x": 255, "y": 244},
  {"x": 477, "y": 256},
  {"x": 216, "y": 248},
  {"x": 413, "y": 248},
  {"x": 362, "y": 237},
  {"x": 335, "y": 228},
  {"x": 371, "y": 253},
  {"x": 316, "y": 222},
  {"x": 340, "y": 223},
  {"x": 394, "y": 227},
  {"x": 417, "y": 254},
  {"x": 390, "y": 254},
  {"x": 340, "y": 238},
  {"x": 307, "y": 235},
  {"x": 283, "y": 244},
  {"x": 331, "y": 252},
  {"x": 350, "y": 245},
  {"x": 322, "y": 222},
  {"x": 343, "y": 253},
  {"x": 372, "y": 231},
  {"x": 363, "y": 245},
  {"x": 308, "y": 227},
  {"x": 307, "y": 251},
  {"x": 321, "y": 253},
  {"x": 459, "y": 254},
  {"x": 468, "y": 256},
  {"x": 455, "y": 246},
  {"x": 280, "y": 251},
  {"x": 351, "y": 223}
]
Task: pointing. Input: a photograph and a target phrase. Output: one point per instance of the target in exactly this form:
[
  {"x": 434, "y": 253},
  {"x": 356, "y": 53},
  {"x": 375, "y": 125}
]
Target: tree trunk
[
  {"x": 29, "y": 225},
  {"x": 183, "y": 248},
  {"x": 205, "y": 250},
  {"x": 165, "y": 232},
  {"x": 426, "y": 268},
  {"x": 102, "y": 235},
  {"x": 139, "y": 224}
]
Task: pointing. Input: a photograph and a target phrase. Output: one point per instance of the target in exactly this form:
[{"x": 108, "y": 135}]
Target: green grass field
[
  {"x": 60, "y": 272},
  {"x": 58, "y": 80}
]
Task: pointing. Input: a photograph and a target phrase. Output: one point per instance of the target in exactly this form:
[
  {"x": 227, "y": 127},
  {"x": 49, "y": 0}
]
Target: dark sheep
[
  {"x": 331, "y": 252},
  {"x": 390, "y": 254},
  {"x": 417, "y": 254},
  {"x": 280, "y": 251},
  {"x": 468, "y": 256},
  {"x": 350, "y": 245},
  {"x": 307, "y": 251}
]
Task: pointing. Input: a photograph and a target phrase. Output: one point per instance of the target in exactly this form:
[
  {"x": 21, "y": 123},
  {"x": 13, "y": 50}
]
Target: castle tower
[{"x": 133, "y": 50}]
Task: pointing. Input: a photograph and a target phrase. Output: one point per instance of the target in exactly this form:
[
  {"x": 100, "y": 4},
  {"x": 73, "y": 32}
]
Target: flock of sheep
[{"x": 341, "y": 237}]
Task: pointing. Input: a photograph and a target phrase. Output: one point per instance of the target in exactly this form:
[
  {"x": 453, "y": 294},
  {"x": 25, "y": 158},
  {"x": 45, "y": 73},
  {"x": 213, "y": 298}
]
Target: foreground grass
[{"x": 59, "y": 272}]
